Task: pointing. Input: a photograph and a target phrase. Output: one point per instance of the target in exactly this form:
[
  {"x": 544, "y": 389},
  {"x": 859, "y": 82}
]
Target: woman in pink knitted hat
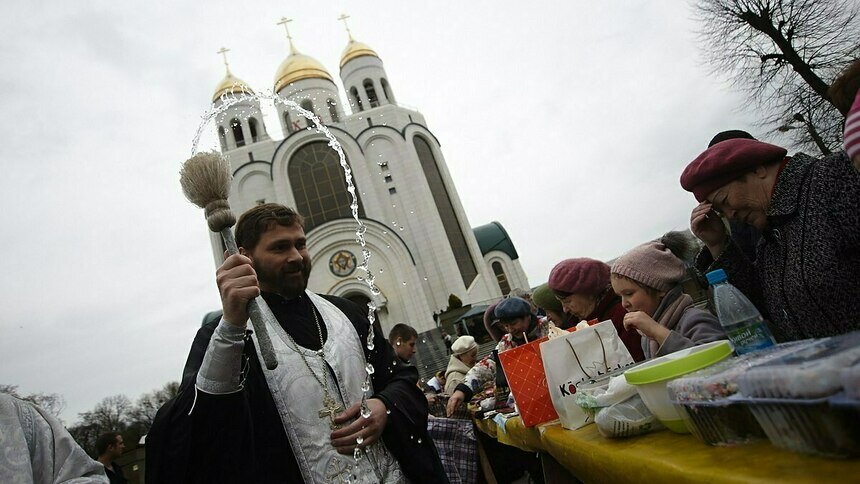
[
  {"x": 648, "y": 279},
  {"x": 582, "y": 286}
]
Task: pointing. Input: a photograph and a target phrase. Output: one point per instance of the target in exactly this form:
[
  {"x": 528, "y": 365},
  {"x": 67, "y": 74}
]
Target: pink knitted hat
[
  {"x": 651, "y": 264},
  {"x": 587, "y": 277},
  {"x": 852, "y": 129}
]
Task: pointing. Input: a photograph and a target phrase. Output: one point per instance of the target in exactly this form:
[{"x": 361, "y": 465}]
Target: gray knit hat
[{"x": 651, "y": 264}]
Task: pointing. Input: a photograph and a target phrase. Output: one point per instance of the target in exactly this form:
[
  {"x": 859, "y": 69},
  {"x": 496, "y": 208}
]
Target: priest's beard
[{"x": 283, "y": 279}]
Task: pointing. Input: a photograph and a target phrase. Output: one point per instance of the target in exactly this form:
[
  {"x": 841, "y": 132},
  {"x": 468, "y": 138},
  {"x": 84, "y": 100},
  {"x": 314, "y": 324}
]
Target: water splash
[
  {"x": 230, "y": 99},
  {"x": 356, "y": 454}
]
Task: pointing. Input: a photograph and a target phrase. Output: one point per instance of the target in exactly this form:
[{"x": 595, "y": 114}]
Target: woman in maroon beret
[
  {"x": 806, "y": 277},
  {"x": 584, "y": 290}
]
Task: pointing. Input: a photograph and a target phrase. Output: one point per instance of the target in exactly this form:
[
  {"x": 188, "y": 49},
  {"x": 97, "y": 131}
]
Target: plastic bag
[{"x": 627, "y": 418}]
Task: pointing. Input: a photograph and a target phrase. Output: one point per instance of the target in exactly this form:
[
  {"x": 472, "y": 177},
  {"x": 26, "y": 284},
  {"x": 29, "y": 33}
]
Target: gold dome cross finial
[
  {"x": 284, "y": 21},
  {"x": 343, "y": 17},
  {"x": 223, "y": 52}
]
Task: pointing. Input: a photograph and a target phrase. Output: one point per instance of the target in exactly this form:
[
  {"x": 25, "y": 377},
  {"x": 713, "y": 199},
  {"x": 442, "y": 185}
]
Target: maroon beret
[
  {"x": 587, "y": 277},
  {"x": 725, "y": 162}
]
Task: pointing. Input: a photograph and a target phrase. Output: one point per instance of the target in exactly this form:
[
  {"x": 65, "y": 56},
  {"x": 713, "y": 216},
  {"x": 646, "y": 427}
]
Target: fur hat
[
  {"x": 651, "y": 264},
  {"x": 587, "y": 277},
  {"x": 725, "y": 162},
  {"x": 463, "y": 344}
]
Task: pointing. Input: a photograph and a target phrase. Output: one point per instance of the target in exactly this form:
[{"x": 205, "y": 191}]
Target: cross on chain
[{"x": 331, "y": 409}]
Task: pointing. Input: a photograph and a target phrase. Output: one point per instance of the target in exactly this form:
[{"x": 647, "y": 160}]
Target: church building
[{"x": 423, "y": 248}]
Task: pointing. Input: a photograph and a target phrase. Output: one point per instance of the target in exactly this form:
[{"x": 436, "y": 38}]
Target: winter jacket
[
  {"x": 694, "y": 327},
  {"x": 806, "y": 277},
  {"x": 454, "y": 374}
]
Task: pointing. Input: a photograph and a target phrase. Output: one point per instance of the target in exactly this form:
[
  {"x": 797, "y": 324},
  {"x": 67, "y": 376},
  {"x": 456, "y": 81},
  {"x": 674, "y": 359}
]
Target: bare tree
[
  {"x": 785, "y": 54},
  {"x": 143, "y": 413},
  {"x": 110, "y": 415},
  {"x": 52, "y": 403}
]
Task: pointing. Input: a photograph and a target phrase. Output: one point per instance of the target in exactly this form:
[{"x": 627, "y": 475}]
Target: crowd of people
[{"x": 786, "y": 230}]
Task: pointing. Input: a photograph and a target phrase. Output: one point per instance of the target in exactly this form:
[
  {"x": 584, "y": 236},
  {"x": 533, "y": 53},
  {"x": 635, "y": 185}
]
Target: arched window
[
  {"x": 288, "y": 125},
  {"x": 252, "y": 127},
  {"x": 332, "y": 110},
  {"x": 355, "y": 99},
  {"x": 236, "y": 128},
  {"x": 501, "y": 278},
  {"x": 386, "y": 90},
  {"x": 307, "y": 105},
  {"x": 222, "y": 137},
  {"x": 319, "y": 188},
  {"x": 446, "y": 211},
  {"x": 371, "y": 93}
]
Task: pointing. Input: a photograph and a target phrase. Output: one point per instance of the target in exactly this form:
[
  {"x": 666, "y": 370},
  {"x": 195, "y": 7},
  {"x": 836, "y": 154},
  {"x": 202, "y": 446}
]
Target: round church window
[{"x": 342, "y": 263}]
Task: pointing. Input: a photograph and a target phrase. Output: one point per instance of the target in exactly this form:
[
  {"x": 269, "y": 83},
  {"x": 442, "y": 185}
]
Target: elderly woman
[
  {"x": 584, "y": 290},
  {"x": 464, "y": 355},
  {"x": 806, "y": 277}
]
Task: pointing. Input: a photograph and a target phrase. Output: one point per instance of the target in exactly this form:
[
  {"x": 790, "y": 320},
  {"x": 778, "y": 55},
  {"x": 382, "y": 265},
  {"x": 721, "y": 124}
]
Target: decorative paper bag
[
  {"x": 584, "y": 356},
  {"x": 523, "y": 368}
]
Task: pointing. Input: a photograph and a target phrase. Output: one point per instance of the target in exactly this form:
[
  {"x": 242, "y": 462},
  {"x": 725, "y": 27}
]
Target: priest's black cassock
[{"x": 239, "y": 437}]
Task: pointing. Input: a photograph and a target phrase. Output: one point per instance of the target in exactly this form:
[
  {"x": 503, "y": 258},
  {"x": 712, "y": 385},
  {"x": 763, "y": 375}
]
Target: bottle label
[{"x": 749, "y": 336}]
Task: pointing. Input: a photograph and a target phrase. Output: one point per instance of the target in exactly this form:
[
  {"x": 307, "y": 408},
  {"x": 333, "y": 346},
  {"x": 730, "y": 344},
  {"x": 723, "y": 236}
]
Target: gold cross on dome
[
  {"x": 343, "y": 17},
  {"x": 284, "y": 21},
  {"x": 223, "y": 52}
]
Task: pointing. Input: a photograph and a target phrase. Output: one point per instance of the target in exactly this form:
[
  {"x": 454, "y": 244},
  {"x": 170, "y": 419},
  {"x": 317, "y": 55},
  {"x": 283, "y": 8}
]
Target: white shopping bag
[{"x": 583, "y": 356}]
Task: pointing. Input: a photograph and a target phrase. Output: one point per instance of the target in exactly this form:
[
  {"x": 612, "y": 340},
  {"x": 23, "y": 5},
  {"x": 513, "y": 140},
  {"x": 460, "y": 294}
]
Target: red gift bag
[{"x": 523, "y": 369}]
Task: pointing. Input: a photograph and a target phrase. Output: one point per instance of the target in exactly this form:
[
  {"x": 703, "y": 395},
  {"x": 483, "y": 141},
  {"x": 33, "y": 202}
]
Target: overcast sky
[{"x": 579, "y": 116}]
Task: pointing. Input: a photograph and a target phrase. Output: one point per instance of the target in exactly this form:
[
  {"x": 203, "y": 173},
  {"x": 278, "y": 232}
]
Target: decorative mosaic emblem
[{"x": 342, "y": 263}]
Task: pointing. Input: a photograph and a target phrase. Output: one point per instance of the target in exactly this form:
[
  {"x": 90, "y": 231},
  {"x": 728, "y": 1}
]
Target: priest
[{"x": 236, "y": 421}]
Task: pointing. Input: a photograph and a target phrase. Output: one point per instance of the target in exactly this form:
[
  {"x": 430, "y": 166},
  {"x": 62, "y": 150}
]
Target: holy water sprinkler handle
[
  {"x": 258, "y": 321},
  {"x": 205, "y": 180}
]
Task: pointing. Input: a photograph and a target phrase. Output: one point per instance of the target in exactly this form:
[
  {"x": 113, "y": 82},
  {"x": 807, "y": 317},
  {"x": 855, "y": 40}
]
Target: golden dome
[
  {"x": 231, "y": 84},
  {"x": 297, "y": 67},
  {"x": 355, "y": 49}
]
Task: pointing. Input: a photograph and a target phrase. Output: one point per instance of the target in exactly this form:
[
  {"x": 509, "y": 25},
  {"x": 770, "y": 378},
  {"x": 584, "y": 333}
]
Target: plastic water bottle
[{"x": 740, "y": 319}]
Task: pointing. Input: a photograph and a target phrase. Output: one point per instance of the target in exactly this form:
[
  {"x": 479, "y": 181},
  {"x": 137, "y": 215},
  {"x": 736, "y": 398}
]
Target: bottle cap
[{"x": 717, "y": 276}]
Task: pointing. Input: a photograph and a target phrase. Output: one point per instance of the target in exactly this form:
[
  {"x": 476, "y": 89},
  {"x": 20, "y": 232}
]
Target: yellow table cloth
[{"x": 665, "y": 456}]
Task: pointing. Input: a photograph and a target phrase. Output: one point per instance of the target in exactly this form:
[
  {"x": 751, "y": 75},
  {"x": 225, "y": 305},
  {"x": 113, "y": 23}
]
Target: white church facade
[{"x": 423, "y": 248}]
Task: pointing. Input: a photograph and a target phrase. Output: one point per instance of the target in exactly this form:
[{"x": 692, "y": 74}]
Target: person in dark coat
[
  {"x": 228, "y": 422},
  {"x": 583, "y": 287},
  {"x": 806, "y": 277}
]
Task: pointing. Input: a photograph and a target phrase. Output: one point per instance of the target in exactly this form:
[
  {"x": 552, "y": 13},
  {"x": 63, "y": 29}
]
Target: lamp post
[{"x": 819, "y": 142}]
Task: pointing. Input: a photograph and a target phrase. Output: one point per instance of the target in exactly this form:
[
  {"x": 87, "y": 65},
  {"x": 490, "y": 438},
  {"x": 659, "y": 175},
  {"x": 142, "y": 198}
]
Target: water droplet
[
  {"x": 381, "y": 271},
  {"x": 394, "y": 362},
  {"x": 401, "y": 228},
  {"x": 369, "y": 369},
  {"x": 419, "y": 441},
  {"x": 388, "y": 412},
  {"x": 424, "y": 340},
  {"x": 365, "y": 412},
  {"x": 357, "y": 454},
  {"x": 397, "y": 343},
  {"x": 425, "y": 278},
  {"x": 359, "y": 440},
  {"x": 404, "y": 283},
  {"x": 365, "y": 387}
]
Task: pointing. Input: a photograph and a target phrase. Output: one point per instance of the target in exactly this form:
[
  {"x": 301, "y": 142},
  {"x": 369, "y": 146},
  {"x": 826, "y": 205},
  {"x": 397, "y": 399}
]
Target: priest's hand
[
  {"x": 455, "y": 401},
  {"x": 237, "y": 283},
  {"x": 370, "y": 429}
]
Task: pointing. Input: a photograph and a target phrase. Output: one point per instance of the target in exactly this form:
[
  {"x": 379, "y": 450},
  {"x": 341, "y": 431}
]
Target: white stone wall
[{"x": 412, "y": 259}]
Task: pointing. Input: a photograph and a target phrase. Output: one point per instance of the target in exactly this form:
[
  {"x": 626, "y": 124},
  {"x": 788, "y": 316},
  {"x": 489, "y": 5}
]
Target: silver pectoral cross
[{"x": 330, "y": 409}]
